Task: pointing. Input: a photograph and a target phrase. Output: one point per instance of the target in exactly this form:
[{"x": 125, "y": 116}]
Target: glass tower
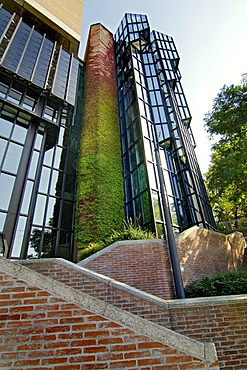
[
  {"x": 39, "y": 136},
  {"x": 160, "y": 168}
]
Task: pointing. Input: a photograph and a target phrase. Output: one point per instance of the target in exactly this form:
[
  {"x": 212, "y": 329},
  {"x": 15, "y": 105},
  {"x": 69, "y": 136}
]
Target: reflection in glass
[
  {"x": 67, "y": 211},
  {"x": 44, "y": 180},
  {"x": 57, "y": 158},
  {"x": 50, "y": 212},
  {"x": 39, "y": 209},
  {"x": 156, "y": 205},
  {"x": 53, "y": 188},
  {"x": 146, "y": 207},
  {"x": 48, "y": 157},
  {"x": 160, "y": 230}
]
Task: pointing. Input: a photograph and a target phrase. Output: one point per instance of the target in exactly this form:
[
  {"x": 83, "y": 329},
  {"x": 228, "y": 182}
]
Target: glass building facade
[
  {"x": 39, "y": 138},
  {"x": 41, "y": 107},
  {"x": 160, "y": 168}
]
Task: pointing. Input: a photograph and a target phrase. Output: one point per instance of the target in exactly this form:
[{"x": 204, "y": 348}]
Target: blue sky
[{"x": 210, "y": 36}]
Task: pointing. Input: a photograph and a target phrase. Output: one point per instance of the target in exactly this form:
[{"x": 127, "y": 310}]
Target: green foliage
[
  {"x": 129, "y": 232},
  {"x": 222, "y": 283},
  {"x": 100, "y": 182},
  {"x": 226, "y": 179}
]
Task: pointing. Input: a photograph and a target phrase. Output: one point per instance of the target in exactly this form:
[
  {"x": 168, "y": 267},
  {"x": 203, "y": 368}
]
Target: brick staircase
[{"x": 57, "y": 315}]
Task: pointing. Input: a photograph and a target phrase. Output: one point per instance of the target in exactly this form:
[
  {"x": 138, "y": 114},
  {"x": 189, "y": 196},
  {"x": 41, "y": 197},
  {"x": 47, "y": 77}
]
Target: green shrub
[
  {"x": 222, "y": 283},
  {"x": 129, "y": 232}
]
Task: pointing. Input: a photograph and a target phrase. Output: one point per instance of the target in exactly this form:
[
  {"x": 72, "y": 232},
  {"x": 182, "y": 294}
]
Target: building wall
[
  {"x": 100, "y": 183},
  {"x": 64, "y": 16},
  {"x": 45, "y": 328}
]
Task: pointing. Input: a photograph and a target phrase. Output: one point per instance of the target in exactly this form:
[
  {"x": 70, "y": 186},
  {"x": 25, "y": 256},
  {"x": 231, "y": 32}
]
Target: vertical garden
[{"x": 100, "y": 187}]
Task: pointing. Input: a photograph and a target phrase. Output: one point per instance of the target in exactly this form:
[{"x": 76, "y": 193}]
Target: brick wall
[
  {"x": 144, "y": 265},
  {"x": 221, "y": 320},
  {"x": 112, "y": 292},
  {"x": 46, "y": 325},
  {"x": 203, "y": 252}
]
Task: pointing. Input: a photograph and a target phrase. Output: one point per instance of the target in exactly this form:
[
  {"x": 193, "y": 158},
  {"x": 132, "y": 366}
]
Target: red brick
[
  {"x": 57, "y": 329},
  {"x": 95, "y": 349},
  {"x": 53, "y": 360}
]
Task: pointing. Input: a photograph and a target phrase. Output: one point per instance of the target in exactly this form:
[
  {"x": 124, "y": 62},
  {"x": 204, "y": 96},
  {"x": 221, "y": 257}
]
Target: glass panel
[
  {"x": 50, "y": 212},
  {"x": 67, "y": 213},
  {"x": 19, "y": 237},
  {"x": 39, "y": 77},
  {"x": 17, "y": 46},
  {"x": 39, "y": 210},
  {"x": 27, "y": 197},
  {"x": 3, "y": 89},
  {"x": 30, "y": 56},
  {"x": 135, "y": 182},
  {"x": 160, "y": 231},
  {"x": 143, "y": 177},
  {"x": 146, "y": 207},
  {"x": 48, "y": 157},
  {"x": 139, "y": 152},
  {"x": 28, "y": 103},
  {"x": 7, "y": 184},
  {"x": 12, "y": 159},
  {"x": 34, "y": 243},
  {"x": 5, "y": 17},
  {"x": 14, "y": 96},
  {"x": 3, "y": 144},
  {"x": 156, "y": 205},
  {"x": 2, "y": 220},
  {"x": 19, "y": 134},
  {"x": 48, "y": 243},
  {"x": 44, "y": 180},
  {"x": 54, "y": 180},
  {"x": 33, "y": 165},
  {"x": 38, "y": 141},
  {"x": 57, "y": 160},
  {"x": 173, "y": 211},
  {"x": 151, "y": 176},
  {"x": 148, "y": 151},
  {"x": 71, "y": 90},
  {"x": 59, "y": 85}
]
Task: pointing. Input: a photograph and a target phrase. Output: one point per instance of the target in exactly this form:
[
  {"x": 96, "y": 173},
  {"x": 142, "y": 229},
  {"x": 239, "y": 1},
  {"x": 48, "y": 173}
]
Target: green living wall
[{"x": 100, "y": 184}]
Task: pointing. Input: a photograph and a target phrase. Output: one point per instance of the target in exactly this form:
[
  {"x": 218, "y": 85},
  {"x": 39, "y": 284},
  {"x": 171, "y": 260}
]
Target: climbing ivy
[{"x": 100, "y": 183}]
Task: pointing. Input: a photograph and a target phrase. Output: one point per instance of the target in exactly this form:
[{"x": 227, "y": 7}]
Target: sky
[{"x": 210, "y": 37}]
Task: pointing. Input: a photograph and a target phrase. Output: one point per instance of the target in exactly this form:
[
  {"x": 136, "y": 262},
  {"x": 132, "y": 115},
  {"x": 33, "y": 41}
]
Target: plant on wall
[{"x": 100, "y": 184}]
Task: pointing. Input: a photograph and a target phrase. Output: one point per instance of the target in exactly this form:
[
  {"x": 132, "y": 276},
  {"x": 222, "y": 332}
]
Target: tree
[{"x": 227, "y": 176}]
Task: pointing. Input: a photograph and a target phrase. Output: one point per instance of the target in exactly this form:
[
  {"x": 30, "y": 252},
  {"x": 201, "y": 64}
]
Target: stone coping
[{"x": 192, "y": 347}]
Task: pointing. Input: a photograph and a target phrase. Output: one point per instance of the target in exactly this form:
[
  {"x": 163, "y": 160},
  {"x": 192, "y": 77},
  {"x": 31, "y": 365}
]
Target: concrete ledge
[{"x": 202, "y": 351}]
